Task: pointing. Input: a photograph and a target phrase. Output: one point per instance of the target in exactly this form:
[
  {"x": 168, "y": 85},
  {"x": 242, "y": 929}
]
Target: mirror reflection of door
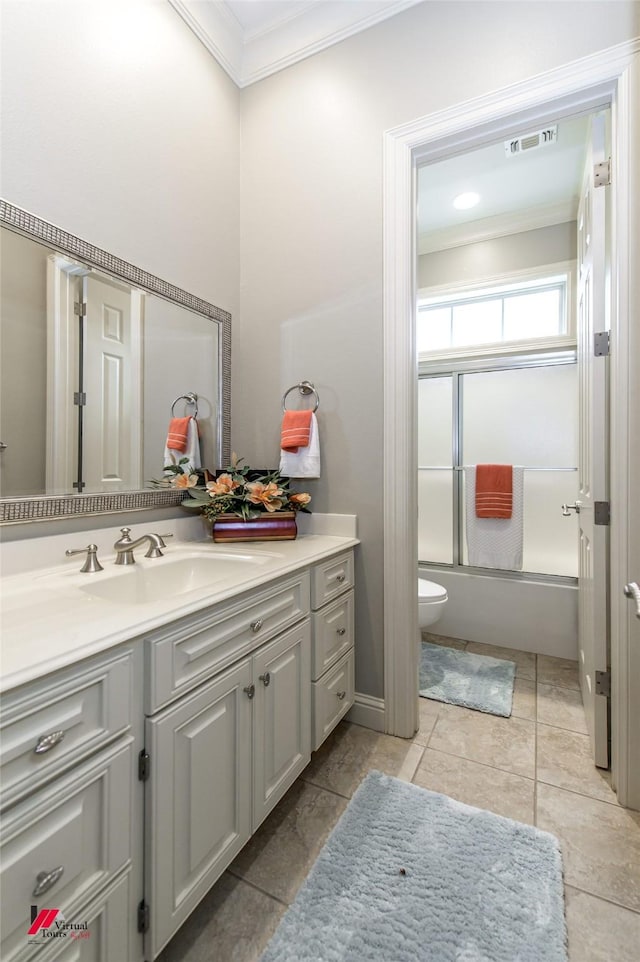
[
  {"x": 94, "y": 381},
  {"x": 112, "y": 385}
]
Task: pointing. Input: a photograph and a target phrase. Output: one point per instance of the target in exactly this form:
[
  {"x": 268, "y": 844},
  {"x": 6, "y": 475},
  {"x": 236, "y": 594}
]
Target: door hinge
[
  {"x": 601, "y": 512},
  {"x": 602, "y": 173},
  {"x": 602, "y": 344},
  {"x": 80, "y": 309},
  {"x": 79, "y": 398},
  {"x": 143, "y": 917},
  {"x": 603, "y": 683},
  {"x": 144, "y": 765}
]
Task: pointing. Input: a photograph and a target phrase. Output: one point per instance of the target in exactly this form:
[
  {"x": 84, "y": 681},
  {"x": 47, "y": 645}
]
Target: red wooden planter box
[{"x": 279, "y": 526}]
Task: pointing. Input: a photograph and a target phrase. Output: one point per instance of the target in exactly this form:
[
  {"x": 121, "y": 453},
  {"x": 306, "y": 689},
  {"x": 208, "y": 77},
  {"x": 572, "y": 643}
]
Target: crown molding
[
  {"x": 488, "y": 228},
  {"x": 249, "y": 57}
]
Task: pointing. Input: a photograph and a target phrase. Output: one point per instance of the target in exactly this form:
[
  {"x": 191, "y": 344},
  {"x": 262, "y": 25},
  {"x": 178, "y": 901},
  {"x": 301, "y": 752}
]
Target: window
[{"x": 531, "y": 310}]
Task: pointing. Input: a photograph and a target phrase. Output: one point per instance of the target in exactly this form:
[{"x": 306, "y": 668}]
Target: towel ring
[
  {"x": 305, "y": 387},
  {"x": 190, "y": 398}
]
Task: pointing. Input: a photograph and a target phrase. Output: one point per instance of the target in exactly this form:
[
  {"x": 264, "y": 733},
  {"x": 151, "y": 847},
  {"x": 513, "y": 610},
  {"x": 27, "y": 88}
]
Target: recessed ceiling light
[{"x": 465, "y": 201}]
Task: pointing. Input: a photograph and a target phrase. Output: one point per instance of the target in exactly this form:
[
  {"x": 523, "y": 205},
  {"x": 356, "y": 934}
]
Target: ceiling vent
[{"x": 540, "y": 138}]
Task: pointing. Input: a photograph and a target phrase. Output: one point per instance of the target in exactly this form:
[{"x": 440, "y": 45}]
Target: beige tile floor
[{"x": 534, "y": 767}]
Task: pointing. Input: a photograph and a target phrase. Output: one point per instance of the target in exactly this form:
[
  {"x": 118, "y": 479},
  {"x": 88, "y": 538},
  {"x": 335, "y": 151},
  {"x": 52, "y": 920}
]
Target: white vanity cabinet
[
  {"x": 332, "y": 601},
  {"x": 222, "y": 754},
  {"x": 132, "y": 778},
  {"x": 68, "y": 810}
]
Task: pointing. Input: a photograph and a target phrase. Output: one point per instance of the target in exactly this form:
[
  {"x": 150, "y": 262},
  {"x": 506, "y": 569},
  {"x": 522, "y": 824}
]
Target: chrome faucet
[{"x": 124, "y": 546}]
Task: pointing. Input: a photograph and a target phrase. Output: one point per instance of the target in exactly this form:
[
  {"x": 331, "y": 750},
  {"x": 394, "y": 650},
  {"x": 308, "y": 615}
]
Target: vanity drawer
[
  {"x": 46, "y": 727},
  {"x": 331, "y": 578},
  {"x": 332, "y": 699},
  {"x": 196, "y": 648},
  {"x": 61, "y": 846},
  {"x": 333, "y": 632}
]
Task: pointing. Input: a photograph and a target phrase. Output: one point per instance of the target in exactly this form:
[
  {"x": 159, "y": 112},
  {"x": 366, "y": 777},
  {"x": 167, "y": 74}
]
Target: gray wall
[
  {"x": 515, "y": 252},
  {"x": 118, "y": 126},
  {"x": 311, "y": 235}
]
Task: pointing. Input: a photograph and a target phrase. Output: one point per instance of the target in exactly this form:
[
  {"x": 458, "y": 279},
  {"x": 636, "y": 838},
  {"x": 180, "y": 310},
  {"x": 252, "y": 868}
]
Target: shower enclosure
[{"x": 520, "y": 411}]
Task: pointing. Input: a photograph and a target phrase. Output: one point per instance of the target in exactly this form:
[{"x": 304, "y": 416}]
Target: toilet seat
[{"x": 429, "y": 591}]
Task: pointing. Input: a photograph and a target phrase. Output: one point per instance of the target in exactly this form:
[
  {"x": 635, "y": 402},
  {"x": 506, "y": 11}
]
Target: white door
[
  {"x": 593, "y": 458},
  {"x": 112, "y": 384}
]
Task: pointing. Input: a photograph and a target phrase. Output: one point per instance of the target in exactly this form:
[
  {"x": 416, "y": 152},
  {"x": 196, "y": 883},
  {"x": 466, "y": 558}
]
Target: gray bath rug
[
  {"x": 408, "y": 875},
  {"x": 463, "y": 678}
]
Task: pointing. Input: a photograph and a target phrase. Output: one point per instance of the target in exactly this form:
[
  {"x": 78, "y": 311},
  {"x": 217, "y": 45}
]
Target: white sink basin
[{"x": 161, "y": 580}]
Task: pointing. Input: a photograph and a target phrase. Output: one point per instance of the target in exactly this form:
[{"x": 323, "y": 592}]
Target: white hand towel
[
  {"x": 495, "y": 542},
  {"x": 305, "y": 462},
  {"x": 192, "y": 451}
]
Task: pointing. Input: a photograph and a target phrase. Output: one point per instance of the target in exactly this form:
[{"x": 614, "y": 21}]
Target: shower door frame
[
  {"x": 610, "y": 77},
  {"x": 456, "y": 369}
]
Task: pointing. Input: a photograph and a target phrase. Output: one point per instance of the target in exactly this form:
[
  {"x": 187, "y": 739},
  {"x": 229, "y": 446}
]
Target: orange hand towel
[
  {"x": 177, "y": 434},
  {"x": 296, "y": 430},
  {"x": 494, "y": 490}
]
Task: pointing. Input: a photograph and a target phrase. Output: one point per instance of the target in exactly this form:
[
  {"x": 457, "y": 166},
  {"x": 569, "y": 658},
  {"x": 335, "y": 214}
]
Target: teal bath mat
[
  {"x": 466, "y": 679},
  {"x": 409, "y": 875}
]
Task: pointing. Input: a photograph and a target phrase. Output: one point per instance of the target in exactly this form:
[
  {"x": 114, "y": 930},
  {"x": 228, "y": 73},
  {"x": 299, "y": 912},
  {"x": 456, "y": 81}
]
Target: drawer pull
[
  {"x": 46, "y": 742},
  {"x": 249, "y": 690},
  {"x": 341, "y": 694},
  {"x": 341, "y": 577},
  {"x": 265, "y": 679},
  {"x": 256, "y": 625},
  {"x": 341, "y": 631},
  {"x": 46, "y": 880}
]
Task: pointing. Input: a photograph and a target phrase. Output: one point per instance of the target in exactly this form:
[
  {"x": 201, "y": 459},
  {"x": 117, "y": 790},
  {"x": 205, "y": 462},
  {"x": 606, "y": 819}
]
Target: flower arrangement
[{"x": 238, "y": 490}]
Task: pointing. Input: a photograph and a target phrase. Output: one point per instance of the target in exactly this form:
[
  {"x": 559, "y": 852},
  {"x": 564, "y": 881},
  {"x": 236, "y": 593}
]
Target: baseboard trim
[{"x": 368, "y": 712}]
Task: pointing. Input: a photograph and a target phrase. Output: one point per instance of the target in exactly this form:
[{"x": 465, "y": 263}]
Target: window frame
[{"x": 453, "y": 293}]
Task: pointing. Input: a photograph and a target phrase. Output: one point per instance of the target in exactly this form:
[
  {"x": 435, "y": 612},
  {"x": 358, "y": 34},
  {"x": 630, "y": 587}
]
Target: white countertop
[{"x": 51, "y": 618}]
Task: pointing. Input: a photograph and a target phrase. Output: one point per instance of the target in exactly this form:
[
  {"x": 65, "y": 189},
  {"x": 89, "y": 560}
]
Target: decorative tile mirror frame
[{"x": 14, "y": 510}]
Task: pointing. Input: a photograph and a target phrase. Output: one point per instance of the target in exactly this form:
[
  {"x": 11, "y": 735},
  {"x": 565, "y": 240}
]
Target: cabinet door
[
  {"x": 102, "y": 935},
  {"x": 63, "y": 846},
  {"x": 282, "y": 738},
  {"x": 199, "y": 797}
]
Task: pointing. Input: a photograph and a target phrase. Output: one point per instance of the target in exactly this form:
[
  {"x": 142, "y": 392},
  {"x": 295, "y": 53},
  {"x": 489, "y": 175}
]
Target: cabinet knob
[
  {"x": 265, "y": 679},
  {"x": 341, "y": 694},
  {"x": 341, "y": 631},
  {"x": 46, "y": 742},
  {"x": 249, "y": 690},
  {"x": 46, "y": 880},
  {"x": 256, "y": 625},
  {"x": 341, "y": 577}
]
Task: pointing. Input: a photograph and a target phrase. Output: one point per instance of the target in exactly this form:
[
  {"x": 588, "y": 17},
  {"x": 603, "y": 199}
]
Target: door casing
[{"x": 608, "y": 78}]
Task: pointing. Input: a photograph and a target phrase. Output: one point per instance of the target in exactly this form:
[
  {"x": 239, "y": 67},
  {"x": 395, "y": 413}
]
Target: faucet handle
[{"x": 91, "y": 562}]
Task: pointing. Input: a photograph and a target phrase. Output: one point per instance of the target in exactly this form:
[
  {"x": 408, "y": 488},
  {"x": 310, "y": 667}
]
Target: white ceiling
[
  {"x": 535, "y": 188},
  {"x": 252, "y": 39}
]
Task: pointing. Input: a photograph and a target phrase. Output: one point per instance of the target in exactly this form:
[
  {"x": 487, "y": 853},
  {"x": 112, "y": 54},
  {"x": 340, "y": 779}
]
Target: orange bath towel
[
  {"x": 177, "y": 434},
  {"x": 494, "y": 490},
  {"x": 296, "y": 430}
]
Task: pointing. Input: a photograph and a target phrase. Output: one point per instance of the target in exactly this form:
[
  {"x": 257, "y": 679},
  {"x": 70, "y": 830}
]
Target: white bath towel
[
  {"x": 192, "y": 451},
  {"x": 305, "y": 462},
  {"x": 495, "y": 542}
]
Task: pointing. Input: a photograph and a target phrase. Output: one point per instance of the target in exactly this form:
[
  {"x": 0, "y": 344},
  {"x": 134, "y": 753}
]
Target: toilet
[{"x": 432, "y": 599}]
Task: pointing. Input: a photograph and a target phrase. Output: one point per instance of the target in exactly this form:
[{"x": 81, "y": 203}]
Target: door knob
[
  {"x": 633, "y": 591},
  {"x": 566, "y": 508}
]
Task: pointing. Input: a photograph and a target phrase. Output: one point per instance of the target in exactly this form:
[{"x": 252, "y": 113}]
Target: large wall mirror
[{"x": 97, "y": 357}]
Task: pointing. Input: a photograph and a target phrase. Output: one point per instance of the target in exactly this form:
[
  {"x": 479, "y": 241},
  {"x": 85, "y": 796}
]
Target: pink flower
[
  {"x": 185, "y": 481},
  {"x": 224, "y": 484},
  {"x": 267, "y": 495},
  {"x": 300, "y": 500}
]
